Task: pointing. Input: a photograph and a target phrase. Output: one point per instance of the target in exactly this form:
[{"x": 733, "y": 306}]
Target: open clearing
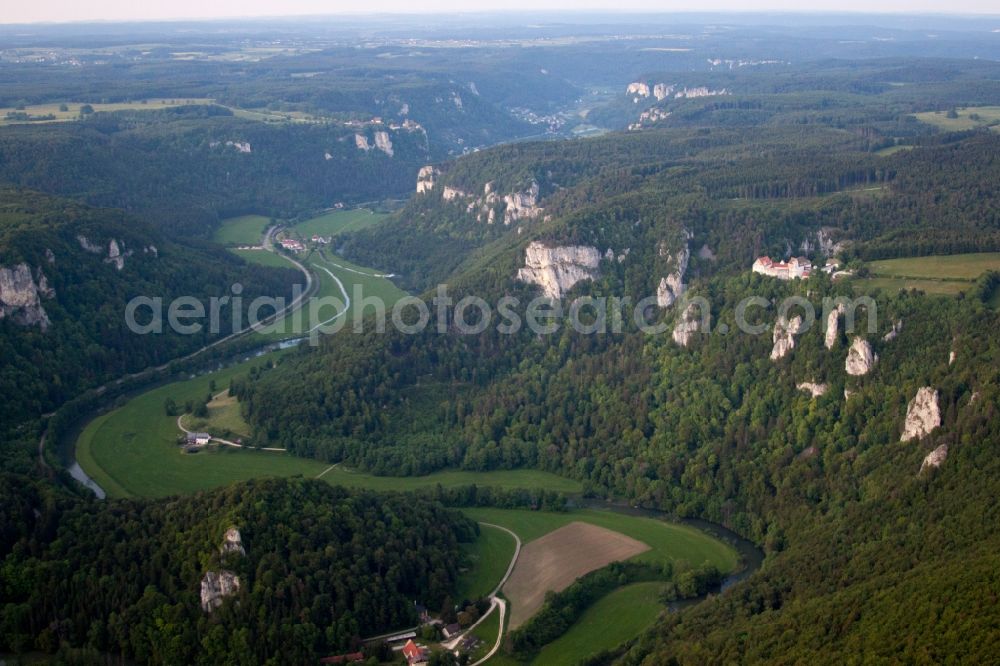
[
  {"x": 242, "y": 230},
  {"x": 617, "y": 617},
  {"x": 552, "y": 562},
  {"x": 936, "y": 274},
  {"x": 132, "y": 452},
  {"x": 72, "y": 111},
  {"x": 968, "y": 118},
  {"x": 484, "y": 562},
  {"x": 223, "y": 420},
  {"x": 338, "y": 221}
]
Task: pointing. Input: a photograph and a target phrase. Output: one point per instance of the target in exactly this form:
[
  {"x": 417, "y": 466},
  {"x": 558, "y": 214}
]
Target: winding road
[{"x": 495, "y": 602}]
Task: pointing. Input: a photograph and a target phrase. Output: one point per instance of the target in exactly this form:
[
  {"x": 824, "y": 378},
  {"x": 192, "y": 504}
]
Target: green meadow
[
  {"x": 617, "y": 617},
  {"x": 133, "y": 452},
  {"x": 937, "y": 274},
  {"x": 338, "y": 221},
  {"x": 242, "y": 230},
  {"x": 484, "y": 563},
  {"x": 966, "y": 118}
]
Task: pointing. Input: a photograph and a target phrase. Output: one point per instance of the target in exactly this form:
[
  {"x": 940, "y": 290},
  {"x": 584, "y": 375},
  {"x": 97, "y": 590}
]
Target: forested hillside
[
  {"x": 68, "y": 272},
  {"x": 323, "y": 567},
  {"x": 184, "y": 169},
  {"x": 713, "y": 427}
]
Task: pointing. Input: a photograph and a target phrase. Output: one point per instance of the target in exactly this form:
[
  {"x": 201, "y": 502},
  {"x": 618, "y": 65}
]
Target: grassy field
[
  {"x": 551, "y": 563},
  {"x": 242, "y": 230},
  {"x": 224, "y": 418},
  {"x": 132, "y": 451},
  {"x": 614, "y": 619},
  {"x": 338, "y": 221},
  {"x": 72, "y": 111},
  {"x": 940, "y": 274},
  {"x": 964, "y": 121},
  {"x": 487, "y": 634},
  {"x": 668, "y": 542},
  {"x": 484, "y": 563}
]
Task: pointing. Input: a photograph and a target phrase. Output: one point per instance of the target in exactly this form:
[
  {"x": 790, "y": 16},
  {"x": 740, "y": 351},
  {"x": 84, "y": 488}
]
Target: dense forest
[
  {"x": 70, "y": 270},
  {"x": 323, "y": 568},
  {"x": 797, "y": 139}
]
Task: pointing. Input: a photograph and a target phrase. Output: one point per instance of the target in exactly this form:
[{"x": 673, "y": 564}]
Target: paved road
[
  {"x": 267, "y": 242},
  {"x": 495, "y": 602}
]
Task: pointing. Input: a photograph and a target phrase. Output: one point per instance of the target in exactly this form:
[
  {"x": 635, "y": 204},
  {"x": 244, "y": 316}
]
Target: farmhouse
[
  {"x": 796, "y": 267},
  {"x": 414, "y": 654},
  {"x": 451, "y": 630},
  {"x": 198, "y": 438},
  {"x": 292, "y": 244}
]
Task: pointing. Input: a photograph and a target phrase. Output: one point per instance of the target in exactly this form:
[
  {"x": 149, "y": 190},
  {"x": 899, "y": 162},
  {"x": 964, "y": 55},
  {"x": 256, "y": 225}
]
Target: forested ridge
[
  {"x": 85, "y": 340},
  {"x": 324, "y": 567},
  {"x": 717, "y": 430}
]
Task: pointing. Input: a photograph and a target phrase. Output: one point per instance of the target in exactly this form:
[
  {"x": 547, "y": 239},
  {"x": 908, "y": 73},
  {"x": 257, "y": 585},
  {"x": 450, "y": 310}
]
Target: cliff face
[
  {"x": 923, "y": 414},
  {"x": 114, "y": 255},
  {"x": 216, "y": 586},
  {"x": 383, "y": 142},
  {"x": 860, "y": 358},
  {"x": 935, "y": 458},
  {"x": 521, "y": 205},
  {"x": 232, "y": 542},
  {"x": 784, "y": 336},
  {"x": 21, "y": 297},
  {"x": 671, "y": 287},
  {"x": 557, "y": 269},
  {"x": 425, "y": 178},
  {"x": 688, "y": 324},
  {"x": 815, "y": 390}
]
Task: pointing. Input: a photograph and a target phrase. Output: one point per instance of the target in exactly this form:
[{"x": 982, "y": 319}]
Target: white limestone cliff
[
  {"x": 833, "y": 326},
  {"x": 557, "y": 269},
  {"x": 361, "y": 141},
  {"x": 813, "y": 389},
  {"x": 661, "y": 91},
  {"x": 383, "y": 142},
  {"x": 521, "y": 205},
  {"x": 784, "y": 336},
  {"x": 216, "y": 586},
  {"x": 20, "y": 296},
  {"x": 687, "y": 325},
  {"x": 860, "y": 358},
  {"x": 923, "y": 414},
  {"x": 671, "y": 287},
  {"x": 425, "y": 178},
  {"x": 638, "y": 89},
  {"x": 240, "y": 146},
  {"x": 452, "y": 193},
  {"x": 935, "y": 458}
]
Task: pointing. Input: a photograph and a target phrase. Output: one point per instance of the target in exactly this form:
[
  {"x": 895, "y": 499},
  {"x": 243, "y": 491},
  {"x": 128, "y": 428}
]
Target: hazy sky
[{"x": 22, "y": 11}]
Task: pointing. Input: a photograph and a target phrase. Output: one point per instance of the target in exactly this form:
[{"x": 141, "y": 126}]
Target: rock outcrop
[
  {"x": 425, "y": 178},
  {"x": 557, "y": 269},
  {"x": 232, "y": 542},
  {"x": 383, "y": 142},
  {"x": 816, "y": 390},
  {"x": 20, "y": 296},
  {"x": 687, "y": 325},
  {"x": 521, "y": 205},
  {"x": 832, "y": 327},
  {"x": 784, "y": 336},
  {"x": 115, "y": 254},
  {"x": 672, "y": 287},
  {"x": 637, "y": 89},
  {"x": 216, "y": 586},
  {"x": 923, "y": 414},
  {"x": 240, "y": 146},
  {"x": 361, "y": 141},
  {"x": 935, "y": 458},
  {"x": 452, "y": 193},
  {"x": 860, "y": 358}
]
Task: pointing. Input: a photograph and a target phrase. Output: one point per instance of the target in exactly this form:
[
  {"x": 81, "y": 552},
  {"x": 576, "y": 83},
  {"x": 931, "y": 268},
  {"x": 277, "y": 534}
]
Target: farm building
[
  {"x": 414, "y": 653},
  {"x": 451, "y": 630},
  {"x": 198, "y": 438},
  {"x": 796, "y": 267}
]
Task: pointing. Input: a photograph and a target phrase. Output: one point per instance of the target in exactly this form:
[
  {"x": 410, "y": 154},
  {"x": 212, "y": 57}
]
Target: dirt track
[{"x": 555, "y": 560}]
